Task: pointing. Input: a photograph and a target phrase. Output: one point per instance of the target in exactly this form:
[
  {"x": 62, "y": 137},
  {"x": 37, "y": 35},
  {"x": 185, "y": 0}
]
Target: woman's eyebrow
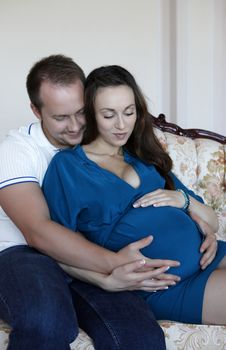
[{"x": 107, "y": 109}]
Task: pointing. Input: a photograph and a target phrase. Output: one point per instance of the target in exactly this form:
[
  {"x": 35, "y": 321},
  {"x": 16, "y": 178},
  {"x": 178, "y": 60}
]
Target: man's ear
[{"x": 36, "y": 111}]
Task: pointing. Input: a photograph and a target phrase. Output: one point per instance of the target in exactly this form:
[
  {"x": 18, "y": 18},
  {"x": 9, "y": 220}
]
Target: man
[{"x": 37, "y": 298}]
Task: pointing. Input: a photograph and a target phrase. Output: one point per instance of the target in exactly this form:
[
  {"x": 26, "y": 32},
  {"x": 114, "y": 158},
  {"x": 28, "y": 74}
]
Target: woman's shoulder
[
  {"x": 66, "y": 155},
  {"x": 68, "y": 152}
]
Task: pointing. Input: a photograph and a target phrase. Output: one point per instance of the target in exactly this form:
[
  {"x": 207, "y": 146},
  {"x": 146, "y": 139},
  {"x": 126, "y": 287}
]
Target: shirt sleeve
[
  {"x": 17, "y": 164},
  {"x": 179, "y": 185},
  {"x": 61, "y": 193}
]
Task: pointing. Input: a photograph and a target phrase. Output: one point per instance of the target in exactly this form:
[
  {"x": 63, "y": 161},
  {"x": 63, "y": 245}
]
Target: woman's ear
[{"x": 36, "y": 111}]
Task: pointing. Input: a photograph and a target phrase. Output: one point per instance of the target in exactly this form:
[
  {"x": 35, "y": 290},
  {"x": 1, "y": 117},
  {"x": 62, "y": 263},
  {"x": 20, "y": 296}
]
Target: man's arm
[
  {"x": 25, "y": 204},
  {"x": 127, "y": 277}
]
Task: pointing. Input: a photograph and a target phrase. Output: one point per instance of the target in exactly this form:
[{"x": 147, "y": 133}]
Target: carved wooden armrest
[{"x": 161, "y": 123}]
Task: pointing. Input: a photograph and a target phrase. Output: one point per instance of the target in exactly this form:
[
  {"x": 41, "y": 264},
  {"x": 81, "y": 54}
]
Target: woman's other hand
[
  {"x": 209, "y": 245},
  {"x": 160, "y": 198},
  {"x": 132, "y": 277}
]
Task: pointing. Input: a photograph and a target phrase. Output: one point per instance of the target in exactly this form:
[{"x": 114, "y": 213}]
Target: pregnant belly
[{"x": 176, "y": 236}]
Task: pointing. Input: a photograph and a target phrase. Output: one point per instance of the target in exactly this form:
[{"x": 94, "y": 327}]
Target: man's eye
[
  {"x": 60, "y": 117},
  {"x": 80, "y": 113}
]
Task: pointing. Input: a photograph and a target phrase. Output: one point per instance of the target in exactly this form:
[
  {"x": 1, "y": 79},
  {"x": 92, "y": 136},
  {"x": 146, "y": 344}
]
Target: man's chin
[{"x": 71, "y": 142}]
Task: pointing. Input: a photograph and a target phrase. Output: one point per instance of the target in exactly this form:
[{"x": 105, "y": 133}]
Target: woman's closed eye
[
  {"x": 128, "y": 114},
  {"x": 108, "y": 116},
  {"x": 130, "y": 110}
]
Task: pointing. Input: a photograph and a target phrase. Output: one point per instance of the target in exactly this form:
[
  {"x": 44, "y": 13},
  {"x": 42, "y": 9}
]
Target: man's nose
[{"x": 73, "y": 124}]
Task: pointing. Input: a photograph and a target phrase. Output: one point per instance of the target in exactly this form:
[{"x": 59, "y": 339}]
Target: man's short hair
[{"x": 57, "y": 69}]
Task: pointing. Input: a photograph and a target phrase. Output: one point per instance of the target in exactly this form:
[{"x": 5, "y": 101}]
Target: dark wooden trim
[{"x": 161, "y": 123}]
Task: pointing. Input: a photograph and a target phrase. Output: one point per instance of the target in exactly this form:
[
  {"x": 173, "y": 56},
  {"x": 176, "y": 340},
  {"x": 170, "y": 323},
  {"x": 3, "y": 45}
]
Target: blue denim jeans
[{"x": 43, "y": 305}]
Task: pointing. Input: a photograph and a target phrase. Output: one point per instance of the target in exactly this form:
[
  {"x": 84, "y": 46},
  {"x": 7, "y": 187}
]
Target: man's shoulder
[
  {"x": 29, "y": 137},
  {"x": 24, "y": 155},
  {"x": 25, "y": 144},
  {"x": 22, "y": 135}
]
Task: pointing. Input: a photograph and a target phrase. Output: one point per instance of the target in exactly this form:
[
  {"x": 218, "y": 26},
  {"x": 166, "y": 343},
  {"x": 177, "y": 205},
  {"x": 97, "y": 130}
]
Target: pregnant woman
[{"x": 118, "y": 187}]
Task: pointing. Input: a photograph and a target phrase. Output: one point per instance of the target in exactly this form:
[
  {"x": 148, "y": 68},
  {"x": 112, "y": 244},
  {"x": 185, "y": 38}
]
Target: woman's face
[{"x": 115, "y": 112}]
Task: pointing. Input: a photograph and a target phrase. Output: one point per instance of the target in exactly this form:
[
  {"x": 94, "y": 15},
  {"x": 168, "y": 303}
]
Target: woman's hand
[
  {"x": 132, "y": 277},
  {"x": 160, "y": 198},
  {"x": 209, "y": 245}
]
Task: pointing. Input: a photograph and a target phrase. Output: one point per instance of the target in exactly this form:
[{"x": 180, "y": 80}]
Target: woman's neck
[{"x": 100, "y": 148}]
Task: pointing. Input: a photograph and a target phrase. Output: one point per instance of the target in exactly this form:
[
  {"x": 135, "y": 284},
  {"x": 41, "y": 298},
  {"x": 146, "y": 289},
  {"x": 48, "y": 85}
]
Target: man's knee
[{"x": 116, "y": 320}]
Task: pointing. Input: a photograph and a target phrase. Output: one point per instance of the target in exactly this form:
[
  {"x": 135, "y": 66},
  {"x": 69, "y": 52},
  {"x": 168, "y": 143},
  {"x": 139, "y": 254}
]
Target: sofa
[{"x": 199, "y": 160}]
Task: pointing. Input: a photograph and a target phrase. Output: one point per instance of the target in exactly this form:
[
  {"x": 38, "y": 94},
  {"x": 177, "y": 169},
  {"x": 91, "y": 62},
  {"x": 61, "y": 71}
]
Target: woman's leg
[
  {"x": 35, "y": 301},
  {"x": 214, "y": 303},
  {"x": 116, "y": 320}
]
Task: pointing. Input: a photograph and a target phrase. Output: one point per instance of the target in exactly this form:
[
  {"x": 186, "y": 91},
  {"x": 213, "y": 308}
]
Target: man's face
[{"x": 62, "y": 113}]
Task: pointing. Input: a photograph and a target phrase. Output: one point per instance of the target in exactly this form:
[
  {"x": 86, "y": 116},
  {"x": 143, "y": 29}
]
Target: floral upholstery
[
  {"x": 181, "y": 336},
  {"x": 200, "y": 164}
]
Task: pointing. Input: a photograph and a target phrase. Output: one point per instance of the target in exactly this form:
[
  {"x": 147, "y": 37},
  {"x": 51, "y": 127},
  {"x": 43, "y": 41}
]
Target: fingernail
[
  {"x": 142, "y": 262},
  {"x": 167, "y": 268},
  {"x": 135, "y": 205}
]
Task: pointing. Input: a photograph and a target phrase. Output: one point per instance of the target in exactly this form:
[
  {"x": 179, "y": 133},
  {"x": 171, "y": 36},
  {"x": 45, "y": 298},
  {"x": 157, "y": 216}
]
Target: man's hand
[
  {"x": 209, "y": 245},
  {"x": 135, "y": 273},
  {"x": 140, "y": 272},
  {"x": 132, "y": 253},
  {"x": 127, "y": 277}
]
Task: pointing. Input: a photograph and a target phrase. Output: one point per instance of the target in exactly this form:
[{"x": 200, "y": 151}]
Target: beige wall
[{"x": 171, "y": 46}]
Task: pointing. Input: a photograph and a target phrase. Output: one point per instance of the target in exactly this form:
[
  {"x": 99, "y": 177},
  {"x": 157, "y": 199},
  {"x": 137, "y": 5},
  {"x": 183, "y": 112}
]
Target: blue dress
[{"x": 87, "y": 198}]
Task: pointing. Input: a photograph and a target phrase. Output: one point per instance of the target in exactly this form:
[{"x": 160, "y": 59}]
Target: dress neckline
[{"x": 129, "y": 159}]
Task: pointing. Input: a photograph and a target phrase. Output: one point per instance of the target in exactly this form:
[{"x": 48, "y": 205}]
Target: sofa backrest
[{"x": 199, "y": 161}]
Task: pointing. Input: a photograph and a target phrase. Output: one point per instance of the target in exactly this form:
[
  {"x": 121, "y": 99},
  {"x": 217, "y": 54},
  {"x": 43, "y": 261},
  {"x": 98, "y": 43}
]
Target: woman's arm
[
  {"x": 205, "y": 212},
  {"x": 175, "y": 198}
]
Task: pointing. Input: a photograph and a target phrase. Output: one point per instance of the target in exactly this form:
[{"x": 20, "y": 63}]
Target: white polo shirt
[{"x": 24, "y": 157}]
